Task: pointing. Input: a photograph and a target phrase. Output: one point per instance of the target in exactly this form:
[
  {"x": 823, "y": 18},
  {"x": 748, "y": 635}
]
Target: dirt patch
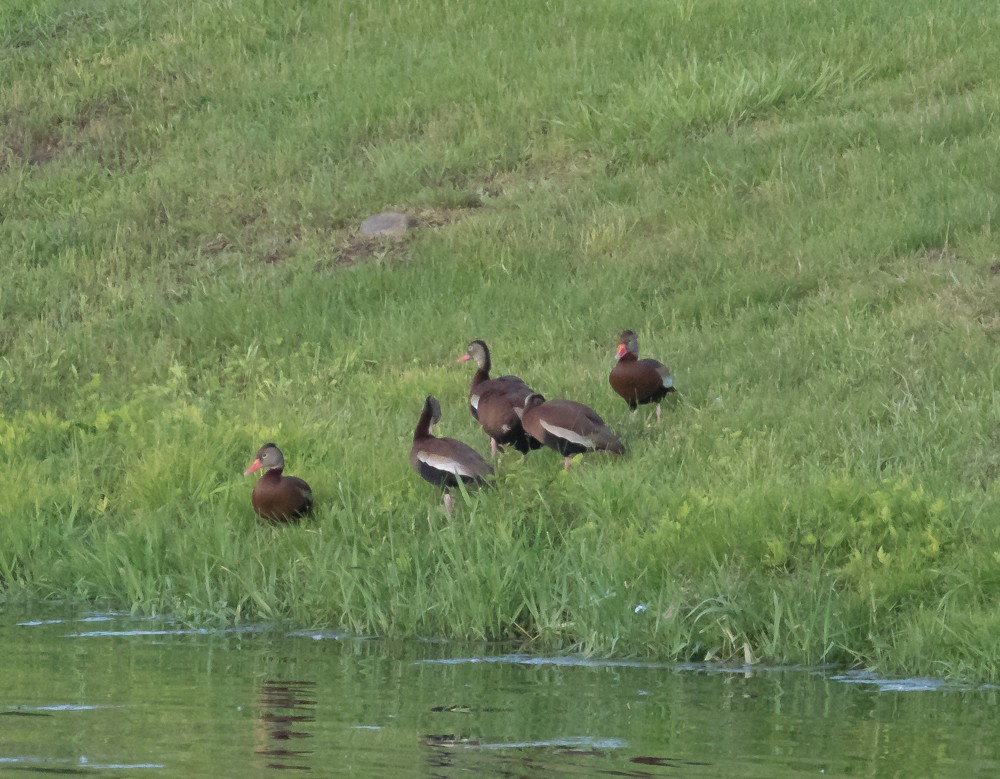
[
  {"x": 942, "y": 254},
  {"x": 96, "y": 129},
  {"x": 279, "y": 253},
  {"x": 989, "y": 321},
  {"x": 19, "y": 147},
  {"x": 348, "y": 245},
  {"x": 256, "y": 234},
  {"x": 355, "y": 247},
  {"x": 215, "y": 247},
  {"x": 440, "y": 217},
  {"x": 490, "y": 188},
  {"x": 359, "y": 248}
]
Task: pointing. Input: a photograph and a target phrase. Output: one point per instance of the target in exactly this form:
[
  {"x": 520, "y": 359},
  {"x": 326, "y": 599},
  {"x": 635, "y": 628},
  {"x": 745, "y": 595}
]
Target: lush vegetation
[{"x": 790, "y": 202}]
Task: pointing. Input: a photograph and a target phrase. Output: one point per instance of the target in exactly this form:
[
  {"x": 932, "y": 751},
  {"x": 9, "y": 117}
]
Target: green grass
[{"x": 791, "y": 203}]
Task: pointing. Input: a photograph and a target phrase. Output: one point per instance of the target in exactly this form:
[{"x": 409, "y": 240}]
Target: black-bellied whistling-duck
[
  {"x": 444, "y": 461},
  {"x": 494, "y": 402},
  {"x": 278, "y": 498},
  {"x": 639, "y": 381},
  {"x": 568, "y": 427}
]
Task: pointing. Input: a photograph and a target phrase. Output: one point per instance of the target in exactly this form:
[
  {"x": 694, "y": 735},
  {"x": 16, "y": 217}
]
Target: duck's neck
[
  {"x": 483, "y": 374},
  {"x": 423, "y": 428},
  {"x": 628, "y": 357}
]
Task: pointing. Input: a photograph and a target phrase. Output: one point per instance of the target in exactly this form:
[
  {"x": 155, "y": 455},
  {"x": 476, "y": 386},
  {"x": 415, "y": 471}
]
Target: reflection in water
[
  {"x": 441, "y": 752},
  {"x": 457, "y": 754},
  {"x": 284, "y": 707},
  {"x": 128, "y": 703},
  {"x": 450, "y": 755}
]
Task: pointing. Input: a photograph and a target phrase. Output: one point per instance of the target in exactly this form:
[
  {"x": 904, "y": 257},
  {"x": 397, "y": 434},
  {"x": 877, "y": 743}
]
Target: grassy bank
[{"x": 791, "y": 203}]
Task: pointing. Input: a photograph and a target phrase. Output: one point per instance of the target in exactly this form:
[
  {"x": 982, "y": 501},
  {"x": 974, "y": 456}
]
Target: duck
[
  {"x": 639, "y": 381},
  {"x": 278, "y": 498},
  {"x": 494, "y": 402},
  {"x": 445, "y": 461},
  {"x": 568, "y": 427}
]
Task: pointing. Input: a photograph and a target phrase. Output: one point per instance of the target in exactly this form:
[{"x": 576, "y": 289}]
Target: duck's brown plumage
[
  {"x": 568, "y": 427},
  {"x": 278, "y": 498},
  {"x": 494, "y": 402},
  {"x": 639, "y": 381},
  {"x": 444, "y": 461}
]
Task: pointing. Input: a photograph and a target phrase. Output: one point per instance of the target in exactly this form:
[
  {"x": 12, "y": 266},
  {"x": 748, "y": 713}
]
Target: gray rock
[{"x": 391, "y": 224}]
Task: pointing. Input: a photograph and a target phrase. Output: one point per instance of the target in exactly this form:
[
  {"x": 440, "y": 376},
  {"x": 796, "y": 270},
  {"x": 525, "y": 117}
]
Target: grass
[{"x": 791, "y": 204}]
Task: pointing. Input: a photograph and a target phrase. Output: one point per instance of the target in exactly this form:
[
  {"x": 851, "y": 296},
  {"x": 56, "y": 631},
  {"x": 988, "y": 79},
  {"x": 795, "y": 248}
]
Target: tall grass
[{"x": 790, "y": 203}]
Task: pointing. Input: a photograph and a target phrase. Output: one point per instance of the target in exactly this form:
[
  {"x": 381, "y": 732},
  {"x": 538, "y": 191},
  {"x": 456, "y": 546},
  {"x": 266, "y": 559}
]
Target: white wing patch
[
  {"x": 474, "y": 401},
  {"x": 568, "y": 435},
  {"x": 439, "y": 463}
]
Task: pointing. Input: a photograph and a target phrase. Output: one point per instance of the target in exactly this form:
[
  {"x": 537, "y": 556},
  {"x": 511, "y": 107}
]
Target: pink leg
[
  {"x": 566, "y": 462},
  {"x": 449, "y": 503},
  {"x": 493, "y": 448},
  {"x": 658, "y": 412}
]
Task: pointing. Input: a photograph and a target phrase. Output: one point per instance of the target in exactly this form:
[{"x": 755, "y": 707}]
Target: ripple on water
[
  {"x": 560, "y": 660},
  {"x": 169, "y": 631},
  {"x": 81, "y": 765},
  {"x": 588, "y": 742},
  {"x": 59, "y": 707},
  {"x": 918, "y": 684},
  {"x": 323, "y": 635}
]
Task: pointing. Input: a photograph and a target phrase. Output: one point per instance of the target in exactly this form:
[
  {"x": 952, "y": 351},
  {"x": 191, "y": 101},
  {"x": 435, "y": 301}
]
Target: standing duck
[
  {"x": 444, "y": 461},
  {"x": 568, "y": 427},
  {"x": 278, "y": 498},
  {"x": 494, "y": 402},
  {"x": 639, "y": 381}
]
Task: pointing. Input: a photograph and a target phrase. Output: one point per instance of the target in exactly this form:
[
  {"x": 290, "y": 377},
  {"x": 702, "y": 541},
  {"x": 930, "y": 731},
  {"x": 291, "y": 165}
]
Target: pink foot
[{"x": 449, "y": 503}]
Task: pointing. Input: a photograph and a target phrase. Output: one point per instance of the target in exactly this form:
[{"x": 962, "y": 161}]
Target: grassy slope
[{"x": 790, "y": 202}]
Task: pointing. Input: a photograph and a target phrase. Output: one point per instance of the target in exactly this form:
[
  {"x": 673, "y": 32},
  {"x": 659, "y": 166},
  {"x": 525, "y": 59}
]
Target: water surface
[{"x": 107, "y": 695}]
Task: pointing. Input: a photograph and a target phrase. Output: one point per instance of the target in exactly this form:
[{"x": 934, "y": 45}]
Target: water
[{"x": 105, "y": 695}]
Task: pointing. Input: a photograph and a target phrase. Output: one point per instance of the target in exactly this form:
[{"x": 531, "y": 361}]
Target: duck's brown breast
[
  {"x": 640, "y": 381},
  {"x": 499, "y": 419},
  {"x": 279, "y": 498}
]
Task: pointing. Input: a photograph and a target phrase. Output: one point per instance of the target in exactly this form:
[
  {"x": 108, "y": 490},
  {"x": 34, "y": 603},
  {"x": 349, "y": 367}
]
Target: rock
[{"x": 389, "y": 224}]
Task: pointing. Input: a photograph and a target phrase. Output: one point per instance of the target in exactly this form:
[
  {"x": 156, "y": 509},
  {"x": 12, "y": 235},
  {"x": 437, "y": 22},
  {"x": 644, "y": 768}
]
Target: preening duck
[
  {"x": 639, "y": 381},
  {"x": 444, "y": 461},
  {"x": 278, "y": 498}
]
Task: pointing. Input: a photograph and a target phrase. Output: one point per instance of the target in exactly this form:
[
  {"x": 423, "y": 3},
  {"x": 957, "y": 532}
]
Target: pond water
[{"x": 108, "y": 695}]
